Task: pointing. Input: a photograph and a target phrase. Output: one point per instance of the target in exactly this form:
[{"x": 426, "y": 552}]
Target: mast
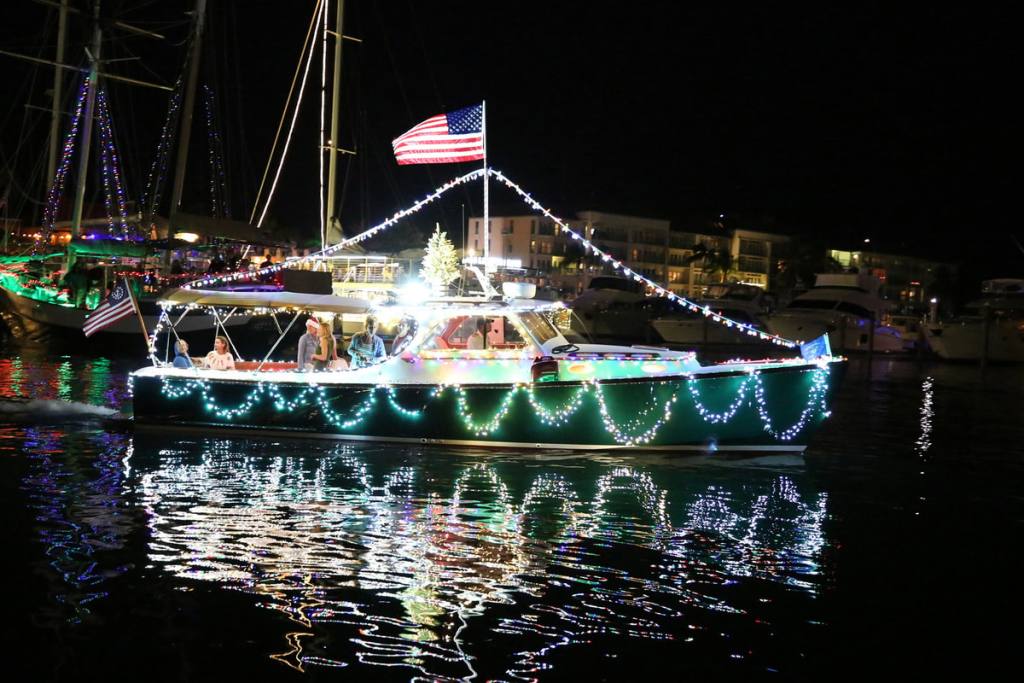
[
  {"x": 186, "y": 113},
  {"x": 333, "y": 142},
  {"x": 487, "y": 220},
  {"x": 58, "y": 86},
  {"x": 90, "y": 107}
]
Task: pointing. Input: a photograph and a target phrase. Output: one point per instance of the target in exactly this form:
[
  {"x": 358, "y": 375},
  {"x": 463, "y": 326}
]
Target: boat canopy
[
  {"x": 328, "y": 303},
  {"x": 107, "y": 248}
]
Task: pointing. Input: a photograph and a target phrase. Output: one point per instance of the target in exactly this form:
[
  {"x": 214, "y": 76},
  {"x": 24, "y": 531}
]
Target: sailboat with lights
[{"x": 44, "y": 294}]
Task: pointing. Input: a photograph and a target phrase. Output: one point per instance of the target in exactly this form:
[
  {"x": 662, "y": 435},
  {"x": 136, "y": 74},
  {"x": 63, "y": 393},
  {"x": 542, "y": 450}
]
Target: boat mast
[
  {"x": 58, "y": 86},
  {"x": 186, "y": 116},
  {"x": 487, "y": 218},
  {"x": 332, "y": 219},
  {"x": 90, "y": 107}
]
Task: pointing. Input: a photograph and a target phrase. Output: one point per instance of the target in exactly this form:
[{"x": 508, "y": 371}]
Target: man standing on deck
[{"x": 307, "y": 344}]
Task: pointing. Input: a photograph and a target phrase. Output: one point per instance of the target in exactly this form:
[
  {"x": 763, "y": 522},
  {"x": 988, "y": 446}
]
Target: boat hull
[
  {"x": 31, "y": 320},
  {"x": 965, "y": 340},
  {"x": 846, "y": 334},
  {"x": 696, "y": 332},
  {"x": 777, "y": 409}
]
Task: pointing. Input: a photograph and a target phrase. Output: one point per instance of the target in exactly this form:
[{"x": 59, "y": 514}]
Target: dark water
[{"x": 891, "y": 546}]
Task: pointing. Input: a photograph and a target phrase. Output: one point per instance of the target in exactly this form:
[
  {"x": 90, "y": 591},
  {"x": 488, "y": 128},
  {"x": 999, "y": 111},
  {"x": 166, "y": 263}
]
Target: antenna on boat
[{"x": 487, "y": 220}]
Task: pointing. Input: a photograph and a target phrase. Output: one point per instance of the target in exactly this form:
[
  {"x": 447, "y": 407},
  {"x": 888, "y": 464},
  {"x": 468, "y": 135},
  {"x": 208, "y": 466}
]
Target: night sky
[{"x": 841, "y": 123}]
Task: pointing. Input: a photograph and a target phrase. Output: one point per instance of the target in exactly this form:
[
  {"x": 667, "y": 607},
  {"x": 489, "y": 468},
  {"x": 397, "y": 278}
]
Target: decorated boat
[
  {"x": 522, "y": 385},
  {"x": 36, "y": 302}
]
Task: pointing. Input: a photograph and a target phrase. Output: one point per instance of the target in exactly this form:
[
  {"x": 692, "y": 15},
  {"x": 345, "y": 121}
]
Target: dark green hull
[{"x": 773, "y": 409}]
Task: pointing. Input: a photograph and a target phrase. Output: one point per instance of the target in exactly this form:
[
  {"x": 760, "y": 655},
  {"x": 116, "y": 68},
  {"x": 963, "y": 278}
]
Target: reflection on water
[
  {"x": 401, "y": 554},
  {"x": 249, "y": 558},
  {"x": 78, "y": 511}
]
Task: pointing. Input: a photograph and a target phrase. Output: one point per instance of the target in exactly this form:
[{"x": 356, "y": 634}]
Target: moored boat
[
  {"x": 993, "y": 327},
  {"x": 845, "y": 306},
  {"x": 738, "y": 302}
]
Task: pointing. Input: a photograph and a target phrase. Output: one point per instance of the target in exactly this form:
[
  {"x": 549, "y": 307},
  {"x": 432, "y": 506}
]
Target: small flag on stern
[
  {"x": 118, "y": 305},
  {"x": 816, "y": 348},
  {"x": 443, "y": 139}
]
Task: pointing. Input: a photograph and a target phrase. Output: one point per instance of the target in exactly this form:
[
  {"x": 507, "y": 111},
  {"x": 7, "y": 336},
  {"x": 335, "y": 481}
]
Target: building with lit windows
[
  {"x": 906, "y": 280},
  {"x": 646, "y": 245}
]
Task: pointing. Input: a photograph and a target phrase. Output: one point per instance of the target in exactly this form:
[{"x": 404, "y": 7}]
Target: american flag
[
  {"x": 443, "y": 139},
  {"x": 117, "y": 306}
]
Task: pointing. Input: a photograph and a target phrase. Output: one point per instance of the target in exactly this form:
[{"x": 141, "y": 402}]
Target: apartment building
[
  {"x": 646, "y": 245},
  {"x": 905, "y": 279}
]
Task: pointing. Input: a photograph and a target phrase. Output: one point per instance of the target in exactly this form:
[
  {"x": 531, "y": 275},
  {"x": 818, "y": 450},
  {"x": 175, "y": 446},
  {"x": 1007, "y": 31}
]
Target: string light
[
  {"x": 219, "y": 206},
  {"x": 658, "y": 289},
  {"x": 157, "y": 172},
  {"x": 113, "y": 186},
  {"x": 532, "y": 203},
  {"x": 635, "y": 431},
  {"x": 56, "y": 192},
  {"x": 295, "y": 261}
]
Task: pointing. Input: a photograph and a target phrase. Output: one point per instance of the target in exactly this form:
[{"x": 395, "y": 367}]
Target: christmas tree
[{"x": 441, "y": 262}]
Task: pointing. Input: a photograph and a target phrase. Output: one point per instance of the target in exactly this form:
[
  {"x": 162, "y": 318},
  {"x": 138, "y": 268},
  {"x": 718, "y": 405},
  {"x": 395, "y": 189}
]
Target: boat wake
[{"x": 53, "y": 410}]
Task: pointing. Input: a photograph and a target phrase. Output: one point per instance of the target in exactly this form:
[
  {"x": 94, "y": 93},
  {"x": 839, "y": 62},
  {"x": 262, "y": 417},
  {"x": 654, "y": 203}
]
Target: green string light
[{"x": 635, "y": 431}]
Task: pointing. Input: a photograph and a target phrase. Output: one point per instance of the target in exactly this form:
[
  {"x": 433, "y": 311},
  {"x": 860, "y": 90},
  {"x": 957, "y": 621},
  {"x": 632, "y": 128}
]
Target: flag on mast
[
  {"x": 120, "y": 304},
  {"x": 443, "y": 139}
]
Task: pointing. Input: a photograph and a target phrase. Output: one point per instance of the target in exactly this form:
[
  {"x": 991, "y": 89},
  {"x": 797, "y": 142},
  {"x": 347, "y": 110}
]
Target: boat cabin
[{"x": 450, "y": 341}]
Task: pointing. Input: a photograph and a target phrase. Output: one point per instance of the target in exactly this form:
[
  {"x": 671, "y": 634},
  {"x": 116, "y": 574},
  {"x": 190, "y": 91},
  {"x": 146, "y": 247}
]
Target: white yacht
[
  {"x": 844, "y": 306},
  {"x": 963, "y": 338},
  {"x": 613, "y": 307},
  {"x": 742, "y": 303}
]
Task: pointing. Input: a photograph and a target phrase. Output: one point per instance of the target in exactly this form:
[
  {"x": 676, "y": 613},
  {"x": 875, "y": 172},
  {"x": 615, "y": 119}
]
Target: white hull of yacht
[
  {"x": 692, "y": 332},
  {"x": 845, "y": 333},
  {"x": 965, "y": 340}
]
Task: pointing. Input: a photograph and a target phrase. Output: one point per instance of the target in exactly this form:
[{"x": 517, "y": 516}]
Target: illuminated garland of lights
[
  {"x": 556, "y": 418},
  {"x": 67, "y": 152},
  {"x": 219, "y": 206},
  {"x": 818, "y": 392},
  {"x": 532, "y": 203},
  {"x": 628, "y": 272},
  {"x": 150, "y": 200},
  {"x": 365, "y": 235},
  {"x": 628, "y": 433},
  {"x": 620, "y": 434},
  {"x": 113, "y": 188},
  {"x": 726, "y": 415},
  {"x": 311, "y": 395}
]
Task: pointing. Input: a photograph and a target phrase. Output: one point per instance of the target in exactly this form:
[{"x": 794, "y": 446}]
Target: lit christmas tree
[{"x": 441, "y": 262}]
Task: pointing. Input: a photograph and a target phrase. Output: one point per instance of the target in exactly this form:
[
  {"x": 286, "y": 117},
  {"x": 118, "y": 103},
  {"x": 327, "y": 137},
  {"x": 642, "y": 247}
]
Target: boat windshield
[
  {"x": 540, "y": 327},
  {"x": 828, "y": 305},
  {"x": 476, "y": 333}
]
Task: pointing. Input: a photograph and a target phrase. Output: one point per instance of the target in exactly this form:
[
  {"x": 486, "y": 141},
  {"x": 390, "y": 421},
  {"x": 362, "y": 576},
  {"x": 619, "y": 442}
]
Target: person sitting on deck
[
  {"x": 220, "y": 358},
  {"x": 307, "y": 345},
  {"x": 181, "y": 359},
  {"x": 478, "y": 340},
  {"x": 366, "y": 348},
  {"x": 403, "y": 335}
]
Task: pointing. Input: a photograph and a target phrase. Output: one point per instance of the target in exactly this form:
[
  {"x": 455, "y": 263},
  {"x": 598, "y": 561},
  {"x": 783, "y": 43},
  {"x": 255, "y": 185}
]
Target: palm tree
[
  {"x": 713, "y": 261},
  {"x": 805, "y": 260}
]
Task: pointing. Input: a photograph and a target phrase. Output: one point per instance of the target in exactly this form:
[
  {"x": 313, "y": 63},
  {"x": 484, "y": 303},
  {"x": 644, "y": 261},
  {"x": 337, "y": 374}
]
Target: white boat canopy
[{"x": 328, "y": 303}]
